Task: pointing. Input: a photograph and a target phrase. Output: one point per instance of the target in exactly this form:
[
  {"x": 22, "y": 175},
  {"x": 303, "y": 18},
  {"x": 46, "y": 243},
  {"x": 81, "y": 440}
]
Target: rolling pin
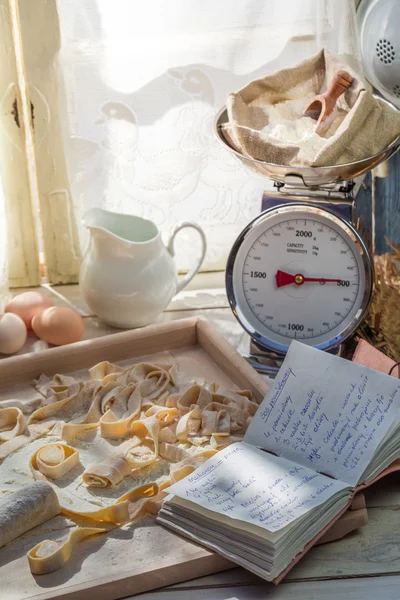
[
  {"x": 322, "y": 105},
  {"x": 25, "y": 509}
]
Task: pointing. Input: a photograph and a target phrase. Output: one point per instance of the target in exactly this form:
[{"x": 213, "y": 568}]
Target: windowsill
[
  {"x": 204, "y": 295},
  {"x": 210, "y": 280}
]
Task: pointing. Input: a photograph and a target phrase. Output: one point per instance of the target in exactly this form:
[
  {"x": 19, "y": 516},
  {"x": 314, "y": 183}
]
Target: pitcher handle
[{"x": 193, "y": 272}]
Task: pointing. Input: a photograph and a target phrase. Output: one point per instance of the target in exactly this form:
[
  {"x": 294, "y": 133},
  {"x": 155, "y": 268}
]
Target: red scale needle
[{"x": 283, "y": 278}]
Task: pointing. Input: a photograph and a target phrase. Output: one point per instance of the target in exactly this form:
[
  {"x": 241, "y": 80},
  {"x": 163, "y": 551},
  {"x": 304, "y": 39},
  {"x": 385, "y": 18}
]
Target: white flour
[
  {"x": 92, "y": 448},
  {"x": 287, "y": 125}
]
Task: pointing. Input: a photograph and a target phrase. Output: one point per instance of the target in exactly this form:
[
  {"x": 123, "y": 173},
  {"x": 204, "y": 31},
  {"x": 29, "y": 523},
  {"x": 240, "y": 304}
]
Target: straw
[{"x": 382, "y": 325}]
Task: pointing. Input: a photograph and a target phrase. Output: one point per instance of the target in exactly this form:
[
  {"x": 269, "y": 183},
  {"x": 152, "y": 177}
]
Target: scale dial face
[{"x": 299, "y": 272}]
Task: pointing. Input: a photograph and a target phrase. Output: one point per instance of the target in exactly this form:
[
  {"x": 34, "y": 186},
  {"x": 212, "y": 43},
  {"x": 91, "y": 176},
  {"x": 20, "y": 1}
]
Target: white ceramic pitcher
[{"x": 128, "y": 276}]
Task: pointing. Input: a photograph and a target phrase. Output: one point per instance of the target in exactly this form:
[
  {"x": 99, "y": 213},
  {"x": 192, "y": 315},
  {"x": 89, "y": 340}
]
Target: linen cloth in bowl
[{"x": 265, "y": 118}]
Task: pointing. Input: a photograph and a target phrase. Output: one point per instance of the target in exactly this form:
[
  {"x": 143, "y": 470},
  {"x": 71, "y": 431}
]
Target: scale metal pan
[{"x": 312, "y": 177}]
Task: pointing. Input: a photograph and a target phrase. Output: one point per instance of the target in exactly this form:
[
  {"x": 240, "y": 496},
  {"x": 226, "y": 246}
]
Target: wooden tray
[{"x": 146, "y": 556}]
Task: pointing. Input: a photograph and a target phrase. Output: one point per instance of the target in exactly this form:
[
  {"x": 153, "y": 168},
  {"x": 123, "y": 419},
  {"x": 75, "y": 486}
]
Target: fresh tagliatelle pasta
[
  {"x": 53, "y": 461},
  {"x": 146, "y": 423},
  {"x": 48, "y": 556},
  {"x": 12, "y": 423}
]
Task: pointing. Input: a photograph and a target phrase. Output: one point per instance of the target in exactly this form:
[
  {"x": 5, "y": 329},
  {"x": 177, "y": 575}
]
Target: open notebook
[{"x": 326, "y": 428}]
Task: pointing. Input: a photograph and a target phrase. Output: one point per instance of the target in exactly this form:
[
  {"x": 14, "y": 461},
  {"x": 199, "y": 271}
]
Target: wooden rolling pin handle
[{"x": 340, "y": 83}]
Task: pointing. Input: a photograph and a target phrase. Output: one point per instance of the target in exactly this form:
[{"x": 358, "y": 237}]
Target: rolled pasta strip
[
  {"x": 106, "y": 473},
  {"x": 122, "y": 510},
  {"x": 53, "y": 461},
  {"x": 168, "y": 434},
  {"x": 188, "y": 399},
  {"x": 71, "y": 404},
  {"x": 223, "y": 422},
  {"x": 26, "y": 407},
  {"x": 32, "y": 505},
  {"x": 239, "y": 418},
  {"x": 42, "y": 383},
  {"x": 98, "y": 392},
  {"x": 171, "y": 400},
  {"x": 99, "y": 395},
  {"x": 139, "y": 455},
  {"x": 199, "y": 440},
  {"x": 126, "y": 403},
  {"x": 49, "y": 556},
  {"x": 147, "y": 427},
  {"x": 204, "y": 398},
  {"x": 155, "y": 384},
  {"x": 146, "y": 370},
  {"x": 103, "y": 396},
  {"x": 242, "y": 398},
  {"x": 108, "y": 400},
  {"x": 70, "y": 431},
  {"x": 113, "y": 428},
  {"x": 189, "y": 424},
  {"x": 148, "y": 392},
  {"x": 134, "y": 453},
  {"x": 196, "y": 394},
  {"x": 48, "y": 387},
  {"x": 125, "y": 407},
  {"x": 235, "y": 421},
  {"x": 105, "y": 368},
  {"x": 172, "y": 452},
  {"x": 12, "y": 423},
  {"x": 163, "y": 414},
  {"x": 93, "y": 393},
  {"x": 62, "y": 392},
  {"x": 209, "y": 422},
  {"x": 148, "y": 431},
  {"x": 140, "y": 371}
]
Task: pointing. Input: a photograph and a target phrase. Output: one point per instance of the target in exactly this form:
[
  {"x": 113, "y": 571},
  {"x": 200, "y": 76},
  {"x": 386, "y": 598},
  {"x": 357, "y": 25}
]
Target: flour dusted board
[{"x": 131, "y": 559}]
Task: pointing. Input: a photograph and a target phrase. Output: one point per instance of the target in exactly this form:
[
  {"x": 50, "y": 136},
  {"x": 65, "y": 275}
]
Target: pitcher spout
[
  {"x": 94, "y": 218},
  {"x": 128, "y": 229}
]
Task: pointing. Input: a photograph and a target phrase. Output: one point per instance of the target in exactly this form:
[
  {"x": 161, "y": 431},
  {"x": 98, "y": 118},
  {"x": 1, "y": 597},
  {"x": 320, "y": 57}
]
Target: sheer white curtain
[
  {"x": 142, "y": 81},
  {"x": 4, "y": 294},
  {"x": 19, "y": 261}
]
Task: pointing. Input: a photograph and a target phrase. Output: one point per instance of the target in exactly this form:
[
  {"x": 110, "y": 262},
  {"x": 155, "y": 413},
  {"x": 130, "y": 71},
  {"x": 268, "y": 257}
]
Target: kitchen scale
[{"x": 301, "y": 270}]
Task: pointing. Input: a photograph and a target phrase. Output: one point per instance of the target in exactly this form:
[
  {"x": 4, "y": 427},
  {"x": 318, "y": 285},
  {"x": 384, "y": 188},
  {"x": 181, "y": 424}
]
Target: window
[{"x": 112, "y": 104}]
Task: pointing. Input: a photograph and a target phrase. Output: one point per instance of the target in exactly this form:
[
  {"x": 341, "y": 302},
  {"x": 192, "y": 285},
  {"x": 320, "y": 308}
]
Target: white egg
[{"x": 13, "y": 333}]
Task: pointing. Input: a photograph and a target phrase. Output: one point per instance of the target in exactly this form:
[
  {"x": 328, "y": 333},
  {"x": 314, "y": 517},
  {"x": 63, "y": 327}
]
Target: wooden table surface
[{"x": 364, "y": 565}]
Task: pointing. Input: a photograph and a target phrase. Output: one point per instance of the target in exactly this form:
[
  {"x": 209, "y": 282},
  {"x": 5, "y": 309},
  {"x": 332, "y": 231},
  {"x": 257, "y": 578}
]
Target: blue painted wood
[
  {"x": 387, "y": 211},
  {"x": 387, "y": 217},
  {"x": 364, "y": 207}
]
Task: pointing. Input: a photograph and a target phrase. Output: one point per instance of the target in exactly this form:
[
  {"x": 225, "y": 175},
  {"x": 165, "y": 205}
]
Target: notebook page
[
  {"x": 326, "y": 413},
  {"x": 248, "y": 484}
]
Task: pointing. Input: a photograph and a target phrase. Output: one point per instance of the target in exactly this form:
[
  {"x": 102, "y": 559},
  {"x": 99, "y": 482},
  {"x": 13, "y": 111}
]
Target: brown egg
[
  {"x": 58, "y": 325},
  {"x": 27, "y": 305}
]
